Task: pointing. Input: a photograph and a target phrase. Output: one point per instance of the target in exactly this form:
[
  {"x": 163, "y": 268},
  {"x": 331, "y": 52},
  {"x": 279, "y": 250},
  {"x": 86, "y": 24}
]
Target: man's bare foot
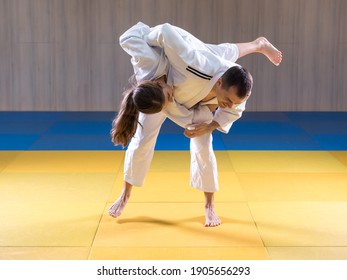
[
  {"x": 117, "y": 207},
  {"x": 267, "y": 49},
  {"x": 212, "y": 220}
]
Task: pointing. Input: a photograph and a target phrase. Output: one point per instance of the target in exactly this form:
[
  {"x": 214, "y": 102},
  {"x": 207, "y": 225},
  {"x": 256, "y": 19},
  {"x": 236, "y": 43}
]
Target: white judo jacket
[{"x": 192, "y": 68}]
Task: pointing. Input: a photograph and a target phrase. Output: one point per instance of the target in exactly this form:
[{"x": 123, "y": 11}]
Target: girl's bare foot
[
  {"x": 267, "y": 49},
  {"x": 117, "y": 207}
]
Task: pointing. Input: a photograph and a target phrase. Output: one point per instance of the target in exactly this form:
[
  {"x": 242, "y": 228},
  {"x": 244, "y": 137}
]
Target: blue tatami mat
[{"x": 254, "y": 131}]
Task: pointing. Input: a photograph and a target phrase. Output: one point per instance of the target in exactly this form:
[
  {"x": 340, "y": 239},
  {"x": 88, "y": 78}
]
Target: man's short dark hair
[{"x": 240, "y": 78}]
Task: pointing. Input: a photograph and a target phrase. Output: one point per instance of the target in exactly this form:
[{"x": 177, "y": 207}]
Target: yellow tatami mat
[
  {"x": 289, "y": 162},
  {"x": 273, "y": 205},
  {"x": 6, "y": 158},
  {"x": 51, "y": 209},
  {"x": 174, "y": 187},
  {"x": 313, "y": 223},
  {"x": 177, "y": 225}
]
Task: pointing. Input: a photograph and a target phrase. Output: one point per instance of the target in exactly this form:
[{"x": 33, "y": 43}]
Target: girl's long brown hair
[{"x": 146, "y": 97}]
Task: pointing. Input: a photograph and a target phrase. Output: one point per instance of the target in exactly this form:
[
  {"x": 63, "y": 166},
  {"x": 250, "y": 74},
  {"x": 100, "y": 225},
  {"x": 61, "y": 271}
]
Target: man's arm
[
  {"x": 223, "y": 120},
  {"x": 200, "y": 129},
  {"x": 225, "y": 117}
]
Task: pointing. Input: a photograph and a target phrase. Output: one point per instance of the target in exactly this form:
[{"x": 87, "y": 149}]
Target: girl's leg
[
  {"x": 263, "y": 46},
  {"x": 138, "y": 158}
]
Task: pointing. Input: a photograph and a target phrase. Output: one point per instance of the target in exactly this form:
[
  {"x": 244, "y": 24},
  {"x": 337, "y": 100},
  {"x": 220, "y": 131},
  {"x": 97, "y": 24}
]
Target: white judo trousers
[
  {"x": 192, "y": 67},
  {"x": 203, "y": 164}
]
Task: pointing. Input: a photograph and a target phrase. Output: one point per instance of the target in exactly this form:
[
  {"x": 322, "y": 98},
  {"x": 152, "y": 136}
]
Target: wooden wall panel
[
  {"x": 32, "y": 77},
  {"x": 32, "y": 20},
  {"x": 64, "y": 54},
  {"x": 4, "y": 21},
  {"x": 5, "y": 54},
  {"x": 74, "y": 54},
  {"x": 340, "y": 79},
  {"x": 342, "y": 21}
]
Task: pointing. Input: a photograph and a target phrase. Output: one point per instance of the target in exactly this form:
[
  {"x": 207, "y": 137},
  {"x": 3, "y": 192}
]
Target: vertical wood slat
[
  {"x": 75, "y": 54},
  {"x": 32, "y": 21},
  {"x": 64, "y": 54},
  {"x": 5, "y": 54}
]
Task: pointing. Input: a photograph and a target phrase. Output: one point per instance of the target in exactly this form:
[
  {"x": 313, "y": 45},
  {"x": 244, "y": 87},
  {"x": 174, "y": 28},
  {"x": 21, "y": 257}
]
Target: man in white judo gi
[{"x": 198, "y": 73}]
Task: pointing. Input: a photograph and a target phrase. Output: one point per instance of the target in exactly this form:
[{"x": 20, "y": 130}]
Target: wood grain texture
[
  {"x": 63, "y": 55},
  {"x": 5, "y": 54}
]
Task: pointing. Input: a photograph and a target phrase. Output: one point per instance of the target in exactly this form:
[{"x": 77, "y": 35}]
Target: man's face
[{"x": 228, "y": 98}]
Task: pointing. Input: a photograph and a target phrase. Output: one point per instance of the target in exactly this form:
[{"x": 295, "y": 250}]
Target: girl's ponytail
[
  {"x": 125, "y": 124},
  {"x": 146, "y": 97}
]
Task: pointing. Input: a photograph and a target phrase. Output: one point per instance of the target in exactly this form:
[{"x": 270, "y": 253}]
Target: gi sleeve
[
  {"x": 184, "y": 117},
  {"x": 149, "y": 63},
  {"x": 225, "y": 117},
  {"x": 179, "y": 114}
]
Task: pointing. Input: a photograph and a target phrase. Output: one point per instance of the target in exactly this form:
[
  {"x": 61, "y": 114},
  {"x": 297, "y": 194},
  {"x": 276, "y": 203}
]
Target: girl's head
[{"x": 148, "y": 97}]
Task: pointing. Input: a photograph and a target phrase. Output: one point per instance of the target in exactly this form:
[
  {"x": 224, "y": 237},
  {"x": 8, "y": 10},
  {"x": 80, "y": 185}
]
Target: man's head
[{"x": 234, "y": 87}]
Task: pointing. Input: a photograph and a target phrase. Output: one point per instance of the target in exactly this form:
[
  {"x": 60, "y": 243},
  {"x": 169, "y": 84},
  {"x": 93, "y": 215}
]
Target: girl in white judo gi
[{"x": 181, "y": 78}]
